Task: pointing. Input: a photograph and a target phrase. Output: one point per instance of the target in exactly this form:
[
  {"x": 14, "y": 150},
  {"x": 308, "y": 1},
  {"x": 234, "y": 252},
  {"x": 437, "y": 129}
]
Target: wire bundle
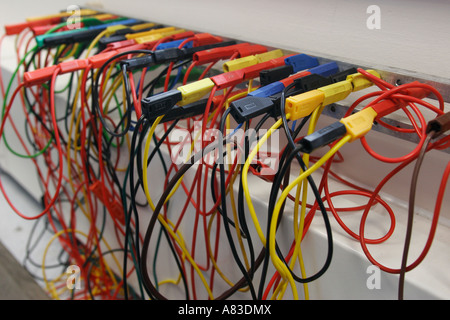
[{"x": 145, "y": 214}]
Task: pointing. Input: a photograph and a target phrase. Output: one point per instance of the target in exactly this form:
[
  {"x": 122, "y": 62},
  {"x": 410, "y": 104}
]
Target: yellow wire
[
  {"x": 174, "y": 281},
  {"x": 214, "y": 262},
  {"x": 73, "y": 131},
  {"x": 70, "y": 54},
  {"x": 53, "y": 238},
  {"x": 95, "y": 41},
  {"x": 109, "y": 94},
  {"x": 144, "y": 164},
  {"x": 276, "y": 261},
  {"x": 231, "y": 189},
  {"x": 236, "y": 219},
  {"x": 170, "y": 281},
  {"x": 298, "y": 228},
  {"x": 161, "y": 219},
  {"x": 186, "y": 252},
  {"x": 284, "y": 272},
  {"x": 244, "y": 177},
  {"x": 146, "y": 152},
  {"x": 145, "y": 176},
  {"x": 183, "y": 258}
]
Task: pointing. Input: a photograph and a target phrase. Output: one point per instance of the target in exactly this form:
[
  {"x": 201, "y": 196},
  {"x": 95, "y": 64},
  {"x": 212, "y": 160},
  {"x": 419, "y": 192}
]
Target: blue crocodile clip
[
  {"x": 301, "y": 62},
  {"x": 273, "y": 88},
  {"x": 326, "y": 69}
]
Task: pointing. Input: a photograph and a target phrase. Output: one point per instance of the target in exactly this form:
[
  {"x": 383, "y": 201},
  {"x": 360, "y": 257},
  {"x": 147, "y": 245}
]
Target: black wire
[
  {"x": 278, "y": 178},
  {"x": 224, "y": 213},
  {"x": 157, "y": 149},
  {"x": 241, "y": 206},
  {"x": 95, "y": 94},
  {"x": 133, "y": 208},
  {"x": 214, "y": 194},
  {"x": 91, "y": 132},
  {"x": 32, "y": 245},
  {"x": 296, "y": 153},
  {"x": 153, "y": 219},
  {"x": 139, "y": 160},
  {"x": 136, "y": 147},
  {"x": 151, "y": 86}
]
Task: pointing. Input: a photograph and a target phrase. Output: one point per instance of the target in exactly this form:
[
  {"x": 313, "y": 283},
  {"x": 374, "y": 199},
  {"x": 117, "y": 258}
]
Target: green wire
[
  {"x": 34, "y": 49},
  {"x": 105, "y": 133},
  {"x": 8, "y": 89}
]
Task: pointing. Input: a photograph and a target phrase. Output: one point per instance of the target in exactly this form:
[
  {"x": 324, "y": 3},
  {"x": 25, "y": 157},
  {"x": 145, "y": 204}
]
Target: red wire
[
  {"x": 58, "y": 146},
  {"x": 209, "y": 67},
  {"x": 395, "y": 94},
  {"x": 136, "y": 102},
  {"x": 432, "y": 229},
  {"x": 188, "y": 71}
]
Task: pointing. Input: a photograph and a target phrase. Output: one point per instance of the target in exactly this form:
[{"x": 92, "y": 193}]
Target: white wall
[
  {"x": 413, "y": 34},
  {"x": 16, "y": 11}
]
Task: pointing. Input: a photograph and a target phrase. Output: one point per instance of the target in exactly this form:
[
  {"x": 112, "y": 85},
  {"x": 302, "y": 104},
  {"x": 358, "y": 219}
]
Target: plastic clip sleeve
[
  {"x": 160, "y": 103},
  {"x": 138, "y": 62},
  {"x": 359, "y": 123},
  {"x": 439, "y": 125},
  {"x": 250, "y": 107},
  {"x": 195, "y": 91},
  {"x": 323, "y": 137}
]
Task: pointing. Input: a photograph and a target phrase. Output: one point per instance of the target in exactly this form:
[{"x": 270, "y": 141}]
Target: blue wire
[
  {"x": 176, "y": 79},
  {"x": 293, "y": 125},
  {"x": 234, "y": 131}
]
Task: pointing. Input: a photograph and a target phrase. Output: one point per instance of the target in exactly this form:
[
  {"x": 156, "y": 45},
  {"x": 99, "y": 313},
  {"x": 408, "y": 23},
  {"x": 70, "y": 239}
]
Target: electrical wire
[
  {"x": 95, "y": 156},
  {"x": 411, "y": 203}
]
